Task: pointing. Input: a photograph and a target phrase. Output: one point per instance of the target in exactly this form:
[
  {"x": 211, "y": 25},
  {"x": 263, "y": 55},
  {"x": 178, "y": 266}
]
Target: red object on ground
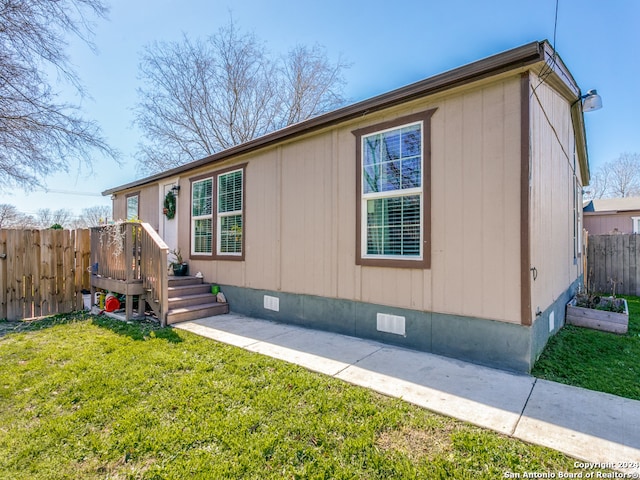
[{"x": 112, "y": 304}]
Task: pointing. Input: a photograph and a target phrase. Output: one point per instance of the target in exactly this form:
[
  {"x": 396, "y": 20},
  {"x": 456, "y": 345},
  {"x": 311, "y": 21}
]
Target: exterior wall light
[{"x": 591, "y": 101}]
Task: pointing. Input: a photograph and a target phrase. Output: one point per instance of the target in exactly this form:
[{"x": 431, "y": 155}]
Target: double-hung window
[
  {"x": 229, "y": 213},
  {"x": 217, "y": 215},
  {"x": 393, "y": 192},
  {"x": 202, "y": 217}
]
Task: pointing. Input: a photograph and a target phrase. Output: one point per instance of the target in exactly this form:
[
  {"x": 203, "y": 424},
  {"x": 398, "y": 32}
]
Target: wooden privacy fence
[
  {"x": 613, "y": 262},
  {"x": 43, "y": 272}
]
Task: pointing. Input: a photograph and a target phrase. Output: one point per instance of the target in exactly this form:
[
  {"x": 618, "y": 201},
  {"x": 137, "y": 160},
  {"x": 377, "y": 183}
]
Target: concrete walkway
[{"x": 590, "y": 426}]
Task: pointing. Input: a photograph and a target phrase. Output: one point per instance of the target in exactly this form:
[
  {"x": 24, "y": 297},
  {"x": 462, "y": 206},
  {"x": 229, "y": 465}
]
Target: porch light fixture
[
  {"x": 591, "y": 101},
  {"x": 175, "y": 190}
]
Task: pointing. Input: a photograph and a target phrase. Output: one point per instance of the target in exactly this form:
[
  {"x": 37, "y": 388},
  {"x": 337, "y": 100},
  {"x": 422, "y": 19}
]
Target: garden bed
[{"x": 604, "y": 315}]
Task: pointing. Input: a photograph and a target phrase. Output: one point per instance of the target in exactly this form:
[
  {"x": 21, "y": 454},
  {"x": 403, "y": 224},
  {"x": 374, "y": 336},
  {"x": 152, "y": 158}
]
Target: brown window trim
[
  {"x": 425, "y": 262},
  {"x": 525, "y": 173},
  {"x": 214, "y": 192}
]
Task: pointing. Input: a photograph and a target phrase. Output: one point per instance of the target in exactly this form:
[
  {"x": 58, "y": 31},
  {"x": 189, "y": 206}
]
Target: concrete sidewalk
[{"x": 591, "y": 426}]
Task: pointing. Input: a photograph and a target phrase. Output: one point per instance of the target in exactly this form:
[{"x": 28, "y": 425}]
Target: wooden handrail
[{"x": 153, "y": 267}]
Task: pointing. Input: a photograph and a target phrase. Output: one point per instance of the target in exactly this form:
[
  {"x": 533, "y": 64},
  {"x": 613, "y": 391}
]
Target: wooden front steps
[{"x": 190, "y": 299}]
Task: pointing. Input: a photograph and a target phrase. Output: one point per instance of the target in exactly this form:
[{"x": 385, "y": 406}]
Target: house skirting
[
  {"x": 550, "y": 321},
  {"x": 488, "y": 342}
]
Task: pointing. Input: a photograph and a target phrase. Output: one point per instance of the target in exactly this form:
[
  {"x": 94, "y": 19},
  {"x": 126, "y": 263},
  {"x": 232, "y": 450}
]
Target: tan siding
[
  {"x": 552, "y": 202},
  {"x": 448, "y": 206},
  {"x": 149, "y": 206},
  {"x": 476, "y": 204},
  {"x": 501, "y": 245},
  {"x": 348, "y": 273},
  {"x": 473, "y": 212},
  {"x": 300, "y": 213},
  {"x": 306, "y": 216},
  {"x": 119, "y": 206},
  {"x": 262, "y": 222}
]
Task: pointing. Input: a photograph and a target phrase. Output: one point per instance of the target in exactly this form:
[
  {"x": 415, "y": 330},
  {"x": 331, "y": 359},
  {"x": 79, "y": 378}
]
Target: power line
[
  {"x": 72, "y": 192},
  {"x": 548, "y": 67}
]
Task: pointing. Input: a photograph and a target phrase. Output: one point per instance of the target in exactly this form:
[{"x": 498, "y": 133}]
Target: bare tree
[
  {"x": 28, "y": 221},
  {"x": 599, "y": 184},
  {"x": 38, "y": 133},
  {"x": 203, "y": 96},
  {"x": 616, "y": 178},
  {"x": 95, "y": 216},
  {"x": 63, "y": 216},
  {"x": 625, "y": 175},
  {"x": 311, "y": 85},
  {"x": 78, "y": 222},
  {"x": 45, "y": 218},
  {"x": 10, "y": 217}
]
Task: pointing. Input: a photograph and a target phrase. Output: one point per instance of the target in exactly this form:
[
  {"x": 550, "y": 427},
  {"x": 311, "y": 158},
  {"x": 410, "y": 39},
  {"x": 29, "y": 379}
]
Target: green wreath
[{"x": 170, "y": 205}]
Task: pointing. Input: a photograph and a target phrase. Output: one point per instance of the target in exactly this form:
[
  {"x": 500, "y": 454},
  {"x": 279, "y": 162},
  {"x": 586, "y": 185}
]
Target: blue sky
[{"x": 390, "y": 44}]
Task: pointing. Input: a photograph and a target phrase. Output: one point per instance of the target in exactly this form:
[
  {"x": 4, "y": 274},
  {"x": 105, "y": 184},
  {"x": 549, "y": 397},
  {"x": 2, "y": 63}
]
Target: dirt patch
[{"x": 416, "y": 443}]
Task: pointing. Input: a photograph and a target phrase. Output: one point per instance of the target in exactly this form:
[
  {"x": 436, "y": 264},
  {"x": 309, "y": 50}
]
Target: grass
[
  {"x": 98, "y": 398},
  {"x": 596, "y": 360}
]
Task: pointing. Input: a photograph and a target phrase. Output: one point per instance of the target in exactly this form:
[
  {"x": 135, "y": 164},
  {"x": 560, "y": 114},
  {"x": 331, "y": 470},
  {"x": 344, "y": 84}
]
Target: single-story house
[
  {"x": 612, "y": 215},
  {"x": 443, "y": 216}
]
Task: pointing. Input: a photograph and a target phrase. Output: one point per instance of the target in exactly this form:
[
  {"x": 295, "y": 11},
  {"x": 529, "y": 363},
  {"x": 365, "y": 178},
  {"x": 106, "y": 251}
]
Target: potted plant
[{"x": 180, "y": 268}]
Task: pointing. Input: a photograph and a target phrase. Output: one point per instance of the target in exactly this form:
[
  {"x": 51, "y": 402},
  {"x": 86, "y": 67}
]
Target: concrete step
[
  {"x": 196, "y": 299},
  {"x": 186, "y": 290},
  {"x": 194, "y": 312}
]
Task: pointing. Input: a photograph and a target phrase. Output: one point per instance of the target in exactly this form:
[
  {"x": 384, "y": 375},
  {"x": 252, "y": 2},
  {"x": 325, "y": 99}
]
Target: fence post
[
  {"x": 3, "y": 274},
  {"x": 82, "y": 253}
]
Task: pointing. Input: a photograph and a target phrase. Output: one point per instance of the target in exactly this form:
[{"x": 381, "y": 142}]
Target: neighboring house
[
  {"x": 612, "y": 215},
  {"x": 442, "y": 216}
]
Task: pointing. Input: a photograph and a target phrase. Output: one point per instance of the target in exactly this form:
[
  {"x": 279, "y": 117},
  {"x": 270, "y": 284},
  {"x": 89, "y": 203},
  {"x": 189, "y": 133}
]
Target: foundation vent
[
  {"x": 391, "y": 324},
  {"x": 272, "y": 303}
]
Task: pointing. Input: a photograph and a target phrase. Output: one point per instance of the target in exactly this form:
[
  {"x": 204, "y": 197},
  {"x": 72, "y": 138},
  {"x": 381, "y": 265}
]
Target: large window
[
  {"x": 393, "y": 191},
  {"x": 217, "y": 215}
]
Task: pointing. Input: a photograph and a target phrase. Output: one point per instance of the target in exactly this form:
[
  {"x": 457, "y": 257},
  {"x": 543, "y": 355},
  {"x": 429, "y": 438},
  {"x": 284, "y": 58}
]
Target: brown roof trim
[{"x": 510, "y": 60}]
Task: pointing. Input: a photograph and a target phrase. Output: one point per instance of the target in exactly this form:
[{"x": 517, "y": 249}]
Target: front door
[{"x": 169, "y": 227}]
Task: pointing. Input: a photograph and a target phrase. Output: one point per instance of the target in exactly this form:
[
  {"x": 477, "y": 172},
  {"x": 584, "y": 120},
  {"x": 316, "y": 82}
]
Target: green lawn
[
  {"x": 596, "y": 360},
  {"x": 97, "y": 398}
]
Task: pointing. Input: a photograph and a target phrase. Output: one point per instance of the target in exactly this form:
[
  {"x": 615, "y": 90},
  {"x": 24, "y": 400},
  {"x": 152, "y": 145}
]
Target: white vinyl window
[
  {"x": 132, "y": 207},
  {"x": 636, "y": 224},
  {"x": 202, "y": 217},
  {"x": 392, "y": 193},
  {"x": 229, "y": 213}
]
